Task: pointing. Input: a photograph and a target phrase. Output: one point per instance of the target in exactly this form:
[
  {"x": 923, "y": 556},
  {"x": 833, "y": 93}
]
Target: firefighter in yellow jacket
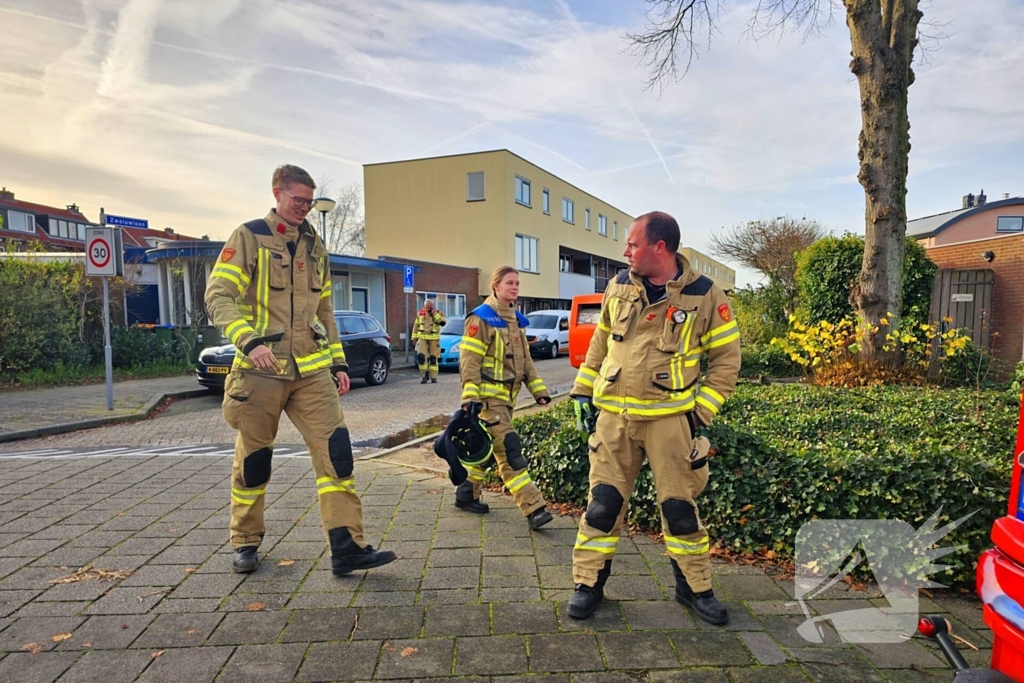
[
  {"x": 426, "y": 332},
  {"x": 642, "y": 372},
  {"x": 270, "y": 293},
  {"x": 494, "y": 362}
]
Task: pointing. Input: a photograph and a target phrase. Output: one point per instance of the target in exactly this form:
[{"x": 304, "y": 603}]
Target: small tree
[{"x": 345, "y": 229}]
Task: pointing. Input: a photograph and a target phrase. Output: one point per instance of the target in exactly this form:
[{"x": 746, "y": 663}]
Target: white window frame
[
  {"x": 20, "y": 221},
  {"x": 568, "y": 211},
  {"x": 81, "y": 232},
  {"x": 521, "y": 184},
  {"x": 469, "y": 187},
  {"x": 602, "y": 225},
  {"x": 586, "y": 222},
  {"x": 448, "y": 303},
  {"x": 545, "y": 204},
  {"x": 615, "y": 230},
  {"x": 1005, "y": 220},
  {"x": 527, "y": 251}
]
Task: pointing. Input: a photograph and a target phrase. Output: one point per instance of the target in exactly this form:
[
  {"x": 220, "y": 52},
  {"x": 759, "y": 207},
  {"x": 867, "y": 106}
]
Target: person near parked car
[
  {"x": 270, "y": 294},
  {"x": 426, "y": 332},
  {"x": 642, "y": 371},
  {"x": 494, "y": 362}
]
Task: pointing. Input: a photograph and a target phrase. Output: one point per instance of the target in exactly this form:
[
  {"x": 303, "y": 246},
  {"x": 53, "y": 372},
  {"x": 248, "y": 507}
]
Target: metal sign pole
[
  {"x": 107, "y": 354},
  {"x": 407, "y": 330}
]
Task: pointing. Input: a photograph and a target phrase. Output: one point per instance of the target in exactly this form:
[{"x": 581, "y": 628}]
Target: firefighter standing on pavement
[
  {"x": 270, "y": 293},
  {"x": 494, "y": 362},
  {"x": 426, "y": 332},
  {"x": 642, "y": 372}
]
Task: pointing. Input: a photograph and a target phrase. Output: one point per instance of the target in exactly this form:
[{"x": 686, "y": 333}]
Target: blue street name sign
[{"x": 126, "y": 222}]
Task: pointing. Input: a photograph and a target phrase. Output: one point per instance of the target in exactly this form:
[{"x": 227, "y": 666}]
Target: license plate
[{"x": 217, "y": 369}]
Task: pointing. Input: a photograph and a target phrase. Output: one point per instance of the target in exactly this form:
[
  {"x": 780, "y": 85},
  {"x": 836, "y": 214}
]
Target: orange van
[{"x": 586, "y": 311}]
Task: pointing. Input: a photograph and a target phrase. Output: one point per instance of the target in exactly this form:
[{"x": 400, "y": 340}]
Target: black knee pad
[
  {"x": 432, "y": 360},
  {"x": 339, "y": 447},
  {"x": 680, "y": 515},
  {"x": 421, "y": 359},
  {"x": 256, "y": 467},
  {"x": 605, "y": 505},
  {"x": 514, "y": 451}
]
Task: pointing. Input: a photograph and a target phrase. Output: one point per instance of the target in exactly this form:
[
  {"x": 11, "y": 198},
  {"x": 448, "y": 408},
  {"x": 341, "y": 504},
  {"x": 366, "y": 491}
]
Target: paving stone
[
  {"x": 459, "y": 524},
  {"x": 493, "y": 655},
  {"x": 313, "y": 625},
  {"x": 107, "y": 633},
  {"x": 263, "y": 663},
  {"x": 188, "y": 605},
  {"x": 769, "y": 607},
  {"x": 394, "y": 598},
  {"x": 740, "y": 619},
  {"x": 457, "y": 596},
  {"x": 784, "y": 630},
  {"x": 410, "y": 659},
  {"x": 638, "y": 651},
  {"x": 751, "y": 587},
  {"x": 455, "y": 557},
  {"x": 382, "y": 623},
  {"x": 255, "y": 602},
  {"x": 900, "y": 656},
  {"x": 710, "y": 649},
  {"x": 564, "y": 652},
  {"x": 51, "y": 609},
  {"x": 178, "y": 630},
  {"x": 249, "y": 628},
  {"x": 524, "y": 618},
  {"x": 165, "y": 575},
  {"x": 508, "y": 546},
  {"x": 188, "y": 555},
  {"x": 317, "y": 601},
  {"x": 661, "y": 614},
  {"x": 458, "y": 620},
  {"x": 509, "y": 594},
  {"x": 494, "y": 581},
  {"x": 36, "y": 630},
  {"x": 560, "y": 556},
  {"x": 108, "y": 666},
  {"x": 764, "y": 649},
  {"x": 10, "y": 601},
  {"x": 127, "y": 601},
  {"x": 632, "y": 587},
  {"x": 207, "y": 586},
  {"x": 688, "y": 676},
  {"x": 537, "y": 678},
  {"x": 195, "y": 665},
  {"x": 457, "y": 539},
  {"x": 779, "y": 674},
  {"x": 45, "y": 667},
  {"x": 608, "y": 617},
  {"x": 510, "y": 566},
  {"x": 452, "y": 577}
]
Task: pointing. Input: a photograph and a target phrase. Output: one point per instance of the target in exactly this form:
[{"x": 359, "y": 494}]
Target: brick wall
[
  {"x": 431, "y": 277},
  {"x": 1007, "y": 313}
]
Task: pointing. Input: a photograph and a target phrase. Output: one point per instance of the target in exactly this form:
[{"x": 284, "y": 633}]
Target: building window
[
  {"x": 615, "y": 230},
  {"x": 696, "y": 264},
  {"x": 448, "y": 304},
  {"x": 568, "y": 211},
  {"x": 526, "y": 254},
  {"x": 546, "y": 202},
  {"x": 475, "y": 186},
  {"x": 23, "y": 222},
  {"x": 602, "y": 225},
  {"x": 522, "y": 191},
  {"x": 564, "y": 264},
  {"x": 81, "y": 232},
  {"x": 1010, "y": 224},
  {"x": 53, "y": 226},
  {"x": 586, "y": 219}
]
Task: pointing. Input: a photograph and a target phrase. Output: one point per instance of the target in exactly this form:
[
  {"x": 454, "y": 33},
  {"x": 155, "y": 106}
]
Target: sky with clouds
[{"x": 178, "y": 110}]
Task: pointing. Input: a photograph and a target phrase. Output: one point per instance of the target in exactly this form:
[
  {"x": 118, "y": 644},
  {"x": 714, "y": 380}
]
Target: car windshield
[
  {"x": 453, "y": 327},
  {"x": 543, "y": 322}
]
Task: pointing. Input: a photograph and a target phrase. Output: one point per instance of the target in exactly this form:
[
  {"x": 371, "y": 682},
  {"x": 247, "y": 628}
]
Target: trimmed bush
[
  {"x": 792, "y": 453},
  {"x": 767, "y": 361}
]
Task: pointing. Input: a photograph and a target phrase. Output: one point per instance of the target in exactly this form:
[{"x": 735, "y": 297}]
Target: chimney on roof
[
  {"x": 1006, "y": 195},
  {"x": 968, "y": 201},
  {"x": 981, "y": 198},
  {"x": 169, "y": 231},
  {"x": 6, "y": 194},
  {"x": 73, "y": 207},
  {"x": 205, "y": 238}
]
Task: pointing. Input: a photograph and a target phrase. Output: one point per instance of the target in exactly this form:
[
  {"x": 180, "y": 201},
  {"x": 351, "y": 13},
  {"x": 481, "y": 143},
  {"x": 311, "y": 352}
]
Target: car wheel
[
  {"x": 554, "y": 350},
  {"x": 378, "y": 373}
]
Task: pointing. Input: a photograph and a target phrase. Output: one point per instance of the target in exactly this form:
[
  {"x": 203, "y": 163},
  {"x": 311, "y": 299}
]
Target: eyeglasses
[{"x": 300, "y": 202}]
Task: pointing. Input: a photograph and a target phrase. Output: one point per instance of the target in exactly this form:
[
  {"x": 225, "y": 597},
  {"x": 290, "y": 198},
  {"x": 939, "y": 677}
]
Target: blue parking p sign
[{"x": 408, "y": 283}]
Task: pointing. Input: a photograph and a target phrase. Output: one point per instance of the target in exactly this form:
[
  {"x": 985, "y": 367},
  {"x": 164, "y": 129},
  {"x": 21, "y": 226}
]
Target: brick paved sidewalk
[{"x": 472, "y": 598}]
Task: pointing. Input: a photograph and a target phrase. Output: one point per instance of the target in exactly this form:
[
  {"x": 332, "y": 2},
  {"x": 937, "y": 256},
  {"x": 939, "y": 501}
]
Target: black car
[{"x": 367, "y": 349}]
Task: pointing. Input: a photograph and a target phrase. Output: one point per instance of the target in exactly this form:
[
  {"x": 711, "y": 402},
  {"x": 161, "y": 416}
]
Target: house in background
[
  {"x": 979, "y": 249},
  {"x": 23, "y": 224},
  {"x": 721, "y": 274}
]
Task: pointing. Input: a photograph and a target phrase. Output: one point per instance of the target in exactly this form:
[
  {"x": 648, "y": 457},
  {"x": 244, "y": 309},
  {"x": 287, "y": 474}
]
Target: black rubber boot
[
  {"x": 584, "y": 601},
  {"x": 539, "y": 518},
  {"x": 433, "y": 380},
  {"x": 368, "y": 558},
  {"x": 705, "y": 604},
  {"x": 246, "y": 560},
  {"x": 424, "y": 380},
  {"x": 464, "y": 500}
]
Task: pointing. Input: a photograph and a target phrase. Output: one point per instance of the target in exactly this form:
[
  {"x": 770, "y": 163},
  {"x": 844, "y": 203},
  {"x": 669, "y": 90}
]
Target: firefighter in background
[
  {"x": 494, "y": 362},
  {"x": 270, "y": 293},
  {"x": 642, "y": 372},
  {"x": 426, "y": 332}
]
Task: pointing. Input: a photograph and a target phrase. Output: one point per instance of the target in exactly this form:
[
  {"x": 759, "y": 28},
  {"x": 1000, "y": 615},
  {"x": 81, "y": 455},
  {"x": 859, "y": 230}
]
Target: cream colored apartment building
[
  {"x": 721, "y": 274},
  {"x": 488, "y": 209}
]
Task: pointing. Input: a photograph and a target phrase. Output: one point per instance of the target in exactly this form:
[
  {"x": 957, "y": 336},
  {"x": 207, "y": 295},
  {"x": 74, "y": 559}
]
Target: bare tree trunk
[{"x": 883, "y": 36}]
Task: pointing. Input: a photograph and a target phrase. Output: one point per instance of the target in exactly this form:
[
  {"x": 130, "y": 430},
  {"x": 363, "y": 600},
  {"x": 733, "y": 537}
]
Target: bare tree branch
[
  {"x": 768, "y": 245},
  {"x": 778, "y": 17},
  {"x": 345, "y": 225},
  {"x": 669, "y": 23}
]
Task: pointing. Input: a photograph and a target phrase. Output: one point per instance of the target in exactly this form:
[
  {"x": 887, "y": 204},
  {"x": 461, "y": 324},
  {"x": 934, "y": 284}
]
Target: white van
[{"x": 548, "y": 333}]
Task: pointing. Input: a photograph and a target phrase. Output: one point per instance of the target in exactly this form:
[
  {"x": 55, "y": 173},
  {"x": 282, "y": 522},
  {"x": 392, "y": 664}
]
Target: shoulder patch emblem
[
  {"x": 650, "y": 317},
  {"x": 227, "y": 254},
  {"x": 472, "y": 330},
  {"x": 280, "y": 228},
  {"x": 724, "y": 312}
]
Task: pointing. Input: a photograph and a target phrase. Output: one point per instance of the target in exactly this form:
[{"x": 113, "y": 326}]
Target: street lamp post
[{"x": 324, "y": 205}]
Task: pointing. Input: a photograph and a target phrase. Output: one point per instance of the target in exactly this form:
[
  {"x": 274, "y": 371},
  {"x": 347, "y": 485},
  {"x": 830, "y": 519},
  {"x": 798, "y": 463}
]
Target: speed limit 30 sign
[{"x": 99, "y": 252}]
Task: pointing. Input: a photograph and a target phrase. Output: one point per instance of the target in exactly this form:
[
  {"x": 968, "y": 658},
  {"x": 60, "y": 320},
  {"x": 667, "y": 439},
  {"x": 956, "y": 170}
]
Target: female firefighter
[{"x": 494, "y": 361}]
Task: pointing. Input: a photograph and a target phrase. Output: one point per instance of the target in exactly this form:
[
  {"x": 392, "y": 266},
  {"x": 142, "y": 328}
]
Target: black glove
[
  {"x": 694, "y": 422},
  {"x": 586, "y": 414},
  {"x": 473, "y": 409}
]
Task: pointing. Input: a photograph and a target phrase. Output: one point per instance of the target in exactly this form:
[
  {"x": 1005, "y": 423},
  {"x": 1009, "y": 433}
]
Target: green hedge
[
  {"x": 767, "y": 361},
  {"x": 793, "y": 453}
]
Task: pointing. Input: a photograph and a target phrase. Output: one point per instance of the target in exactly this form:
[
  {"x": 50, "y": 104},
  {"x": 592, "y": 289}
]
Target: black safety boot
[
  {"x": 539, "y": 518},
  {"x": 245, "y": 560},
  {"x": 368, "y": 558},
  {"x": 705, "y": 604},
  {"x": 585, "y": 599},
  {"x": 424, "y": 380},
  {"x": 464, "y": 500},
  {"x": 433, "y": 380}
]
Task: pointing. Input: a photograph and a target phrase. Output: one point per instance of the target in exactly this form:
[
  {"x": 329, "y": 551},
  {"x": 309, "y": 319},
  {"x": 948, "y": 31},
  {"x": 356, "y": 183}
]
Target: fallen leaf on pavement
[
  {"x": 158, "y": 653},
  {"x": 285, "y": 563},
  {"x": 86, "y": 644},
  {"x": 191, "y": 631},
  {"x": 34, "y": 648},
  {"x": 87, "y": 573},
  {"x": 148, "y": 595},
  {"x": 256, "y": 606},
  {"x": 175, "y": 530},
  {"x": 60, "y": 637},
  {"x": 409, "y": 650},
  {"x": 189, "y": 570}
]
